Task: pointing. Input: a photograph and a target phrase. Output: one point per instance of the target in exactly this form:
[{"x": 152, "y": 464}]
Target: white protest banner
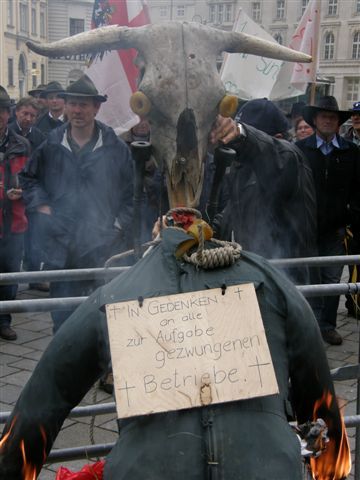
[
  {"x": 249, "y": 76},
  {"x": 293, "y": 79},
  {"x": 189, "y": 350}
]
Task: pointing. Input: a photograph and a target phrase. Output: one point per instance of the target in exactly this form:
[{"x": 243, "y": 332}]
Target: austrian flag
[{"x": 114, "y": 73}]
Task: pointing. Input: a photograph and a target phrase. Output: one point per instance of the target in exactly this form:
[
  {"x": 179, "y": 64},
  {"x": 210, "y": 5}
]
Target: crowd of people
[{"x": 66, "y": 188}]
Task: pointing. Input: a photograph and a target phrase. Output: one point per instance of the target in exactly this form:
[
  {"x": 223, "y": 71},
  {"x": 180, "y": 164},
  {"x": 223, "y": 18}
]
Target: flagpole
[{"x": 316, "y": 53}]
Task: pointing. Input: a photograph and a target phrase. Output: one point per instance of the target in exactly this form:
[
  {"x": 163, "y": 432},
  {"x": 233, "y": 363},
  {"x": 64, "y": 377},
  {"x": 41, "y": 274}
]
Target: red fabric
[
  {"x": 93, "y": 471},
  {"x": 19, "y": 221},
  {"x": 184, "y": 220},
  {"x": 119, "y": 15}
]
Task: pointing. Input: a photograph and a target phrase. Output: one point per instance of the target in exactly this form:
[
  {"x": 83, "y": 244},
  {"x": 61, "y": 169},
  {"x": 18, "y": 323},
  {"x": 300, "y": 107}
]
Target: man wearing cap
[
  {"x": 42, "y": 102},
  {"x": 14, "y": 151},
  {"x": 353, "y": 134},
  {"x": 55, "y": 116},
  {"x": 271, "y": 204},
  {"x": 335, "y": 163},
  {"x": 80, "y": 181}
]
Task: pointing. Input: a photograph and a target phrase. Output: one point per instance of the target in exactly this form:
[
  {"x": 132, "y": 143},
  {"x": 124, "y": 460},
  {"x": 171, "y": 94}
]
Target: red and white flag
[
  {"x": 115, "y": 74},
  {"x": 293, "y": 79}
]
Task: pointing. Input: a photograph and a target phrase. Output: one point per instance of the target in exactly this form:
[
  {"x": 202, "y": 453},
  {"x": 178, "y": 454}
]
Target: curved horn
[
  {"x": 236, "y": 42},
  {"x": 97, "y": 40}
]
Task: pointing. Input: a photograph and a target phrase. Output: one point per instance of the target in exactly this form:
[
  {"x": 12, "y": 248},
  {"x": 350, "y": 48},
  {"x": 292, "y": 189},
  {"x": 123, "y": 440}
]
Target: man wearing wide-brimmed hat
[
  {"x": 55, "y": 103},
  {"x": 335, "y": 163},
  {"x": 42, "y": 102},
  {"x": 14, "y": 151},
  {"x": 80, "y": 182},
  {"x": 353, "y": 134}
]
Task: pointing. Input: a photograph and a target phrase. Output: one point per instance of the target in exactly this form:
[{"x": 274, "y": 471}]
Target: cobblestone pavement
[{"x": 19, "y": 358}]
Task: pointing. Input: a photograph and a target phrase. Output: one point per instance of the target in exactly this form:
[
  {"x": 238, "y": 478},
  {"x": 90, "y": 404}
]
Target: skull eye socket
[
  {"x": 140, "y": 104},
  {"x": 228, "y": 106}
]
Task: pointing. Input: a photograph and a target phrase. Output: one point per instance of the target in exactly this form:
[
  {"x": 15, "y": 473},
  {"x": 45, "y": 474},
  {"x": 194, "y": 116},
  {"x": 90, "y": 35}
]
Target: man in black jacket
[
  {"x": 353, "y": 241},
  {"x": 80, "y": 182},
  {"x": 26, "y": 113},
  {"x": 271, "y": 207},
  {"x": 335, "y": 163},
  {"x": 54, "y": 117}
]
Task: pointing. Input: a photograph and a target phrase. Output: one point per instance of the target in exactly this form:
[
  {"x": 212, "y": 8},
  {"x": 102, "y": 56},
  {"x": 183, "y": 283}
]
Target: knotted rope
[{"x": 207, "y": 258}]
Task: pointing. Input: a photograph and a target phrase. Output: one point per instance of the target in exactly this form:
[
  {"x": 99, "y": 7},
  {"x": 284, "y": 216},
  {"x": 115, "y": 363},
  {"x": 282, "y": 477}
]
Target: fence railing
[{"x": 49, "y": 304}]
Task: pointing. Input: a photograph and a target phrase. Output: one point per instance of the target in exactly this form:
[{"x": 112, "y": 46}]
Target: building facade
[
  {"x": 50, "y": 20},
  {"x": 66, "y": 18},
  {"x": 339, "y": 36},
  {"x": 20, "y": 69}
]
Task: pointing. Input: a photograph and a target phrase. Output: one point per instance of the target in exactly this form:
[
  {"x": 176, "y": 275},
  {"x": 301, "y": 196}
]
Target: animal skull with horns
[{"x": 180, "y": 90}]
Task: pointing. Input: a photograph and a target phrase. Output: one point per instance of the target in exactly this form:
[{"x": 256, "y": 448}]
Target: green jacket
[{"x": 249, "y": 439}]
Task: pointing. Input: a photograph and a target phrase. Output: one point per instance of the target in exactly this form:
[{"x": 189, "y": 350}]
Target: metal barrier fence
[{"x": 42, "y": 305}]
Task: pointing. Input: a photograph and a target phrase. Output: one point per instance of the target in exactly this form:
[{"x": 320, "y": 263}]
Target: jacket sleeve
[
  {"x": 64, "y": 374},
  {"x": 274, "y": 161},
  {"x": 354, "y": 203},
  {"x": 313, "y": 394},
  {"x": 126, "y": 192},
  {"x": 31, "y": 180}
]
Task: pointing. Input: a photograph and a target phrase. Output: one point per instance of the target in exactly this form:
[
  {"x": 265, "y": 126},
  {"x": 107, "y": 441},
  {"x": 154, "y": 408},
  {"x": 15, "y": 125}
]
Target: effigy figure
[{"x": 242, "y": 439}]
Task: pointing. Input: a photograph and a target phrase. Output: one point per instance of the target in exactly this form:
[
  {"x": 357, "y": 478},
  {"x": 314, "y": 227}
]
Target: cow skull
[{"x": 180, "y": 89}]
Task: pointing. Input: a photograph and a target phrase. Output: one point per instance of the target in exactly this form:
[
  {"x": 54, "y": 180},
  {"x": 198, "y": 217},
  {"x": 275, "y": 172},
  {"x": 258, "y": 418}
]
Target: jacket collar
[{"x": 311, "y": 142}]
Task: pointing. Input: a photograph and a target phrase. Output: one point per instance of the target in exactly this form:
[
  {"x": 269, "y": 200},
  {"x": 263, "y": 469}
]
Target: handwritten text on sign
[{"x": 189, "y": 350}]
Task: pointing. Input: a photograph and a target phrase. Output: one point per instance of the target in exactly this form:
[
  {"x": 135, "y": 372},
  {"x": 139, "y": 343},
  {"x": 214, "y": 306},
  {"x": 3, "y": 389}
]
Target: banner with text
[{"x": 249, "y": 76}]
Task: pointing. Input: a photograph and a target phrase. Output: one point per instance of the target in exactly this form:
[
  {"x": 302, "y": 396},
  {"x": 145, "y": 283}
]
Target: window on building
[
  {"x": 33, "y": 22},
  {"x": 278, "y": 37},
  {"x": 280, "y": 9},
  {"x": 10, "y": 13},
  {"x": 352, "y": 91},
  {"x": 304, "y": 4},
  {"x": 220, "y": 13},
  {"x": 42, "y": 24},
  {"x": 228, "y": 13},
  {"x": 10, "y": 72},
  {"x": 332, "y": 7},
  {"x": 356, "y": 46},
  {"x": 256, "y": 11},
  {"x": 180, "y": 10},
  {"x": 24, "y": 17},
  {"x": 76, "y": 25},
  {"x": 329, "y": 46},
  {"x": 357, "y": 6},
  {"x": 34, "y": 73},
  {"x": 42, "y": 73},
  {"x": 163, "y": 12},
  {"x": 212, "y": 13},
  {"x": 220, "y": 16}
]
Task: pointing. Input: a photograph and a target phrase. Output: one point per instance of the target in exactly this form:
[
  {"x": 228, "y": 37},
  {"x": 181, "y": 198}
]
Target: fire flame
[
  {"x": 335, "y": 462},
  {"x": 6, "y": 436},
  {"x": 29, "y": 471}
]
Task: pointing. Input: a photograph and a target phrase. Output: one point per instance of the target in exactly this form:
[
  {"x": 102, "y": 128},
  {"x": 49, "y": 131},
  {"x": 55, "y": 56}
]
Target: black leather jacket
[{"x": 337, "y": 183}]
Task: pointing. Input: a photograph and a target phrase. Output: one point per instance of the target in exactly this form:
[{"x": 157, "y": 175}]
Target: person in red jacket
[{"x": 14, "y": 152}]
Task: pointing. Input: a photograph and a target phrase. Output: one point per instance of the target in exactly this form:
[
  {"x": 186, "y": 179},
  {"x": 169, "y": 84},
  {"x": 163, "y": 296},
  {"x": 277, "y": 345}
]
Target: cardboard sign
[{"x": 189, "y": 350}]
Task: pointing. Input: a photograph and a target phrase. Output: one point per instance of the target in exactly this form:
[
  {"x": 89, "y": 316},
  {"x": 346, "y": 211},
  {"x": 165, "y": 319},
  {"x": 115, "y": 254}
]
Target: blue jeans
[{"x": 325, "y": 308}]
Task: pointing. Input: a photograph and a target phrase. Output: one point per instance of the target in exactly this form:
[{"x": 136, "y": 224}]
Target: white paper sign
[{"x": 189, "y": 350}]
